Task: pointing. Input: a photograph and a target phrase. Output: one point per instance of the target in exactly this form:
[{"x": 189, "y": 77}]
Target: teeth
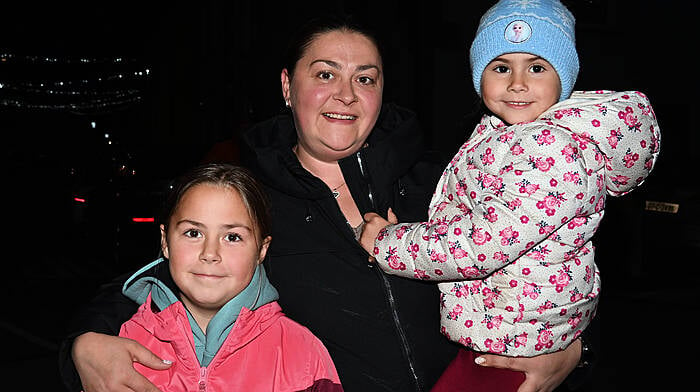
[
  {"x": 518, "y": 103},
  {"x": 339, "y": 116}
]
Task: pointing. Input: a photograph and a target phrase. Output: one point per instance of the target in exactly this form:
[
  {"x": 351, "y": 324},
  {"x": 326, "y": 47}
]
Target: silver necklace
[{"x": 336, "y": 192}]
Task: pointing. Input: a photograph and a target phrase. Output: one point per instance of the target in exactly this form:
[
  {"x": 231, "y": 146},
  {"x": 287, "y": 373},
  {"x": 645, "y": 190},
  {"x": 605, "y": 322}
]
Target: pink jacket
[
  {"x": 265, "y": 351},
  {"x": 512, "y": 219}
]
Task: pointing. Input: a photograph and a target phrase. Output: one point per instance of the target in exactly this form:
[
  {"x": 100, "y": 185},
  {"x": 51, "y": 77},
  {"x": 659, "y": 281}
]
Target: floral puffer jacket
[{"x": 511, "y": 221}]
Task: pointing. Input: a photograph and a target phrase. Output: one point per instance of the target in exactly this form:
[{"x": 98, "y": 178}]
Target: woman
[{"x": 340, "y": 155}]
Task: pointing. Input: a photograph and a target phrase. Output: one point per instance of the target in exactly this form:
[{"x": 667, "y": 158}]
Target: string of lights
[{"x": 76, "y": 84}]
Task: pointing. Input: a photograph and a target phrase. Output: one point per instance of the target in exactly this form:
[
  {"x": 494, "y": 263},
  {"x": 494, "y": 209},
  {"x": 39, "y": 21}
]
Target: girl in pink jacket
[
  {"x": 511, "y": 221},
  {"x": 208, "y": 307}
]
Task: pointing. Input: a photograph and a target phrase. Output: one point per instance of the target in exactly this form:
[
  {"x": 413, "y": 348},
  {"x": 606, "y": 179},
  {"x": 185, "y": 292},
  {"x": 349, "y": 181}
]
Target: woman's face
[
  {"x": 335, "y": 94},
  {"x": 212, "y": 246}
]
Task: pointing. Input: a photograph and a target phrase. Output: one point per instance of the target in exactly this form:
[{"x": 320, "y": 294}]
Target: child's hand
[{"x": 374, "y": 223}]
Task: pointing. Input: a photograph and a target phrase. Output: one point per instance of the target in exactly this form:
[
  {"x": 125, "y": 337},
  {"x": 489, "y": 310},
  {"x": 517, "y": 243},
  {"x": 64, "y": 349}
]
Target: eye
[
  {"x": 537, "y": 68},
  {"x": 325, "y": 75},
  {"x": 232, "y": 237},
  {"x": 501, "y": 68},
  {"x": 193, "y": 233},
  {"x": 365, "y": 80}
]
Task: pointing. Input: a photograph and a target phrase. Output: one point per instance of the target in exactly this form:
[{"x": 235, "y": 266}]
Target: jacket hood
[
  {"x": 267, "y": 150},
  {"x": 622, "y": 125}
]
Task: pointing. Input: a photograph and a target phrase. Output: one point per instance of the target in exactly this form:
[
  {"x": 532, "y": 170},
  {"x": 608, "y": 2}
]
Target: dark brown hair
[{"x": 227, "y": 175}]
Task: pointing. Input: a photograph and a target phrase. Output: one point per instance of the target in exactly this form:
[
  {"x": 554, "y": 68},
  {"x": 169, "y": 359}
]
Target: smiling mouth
[
  {"x": 518, "y": 103},
  {"x": 338, "y": 116}
]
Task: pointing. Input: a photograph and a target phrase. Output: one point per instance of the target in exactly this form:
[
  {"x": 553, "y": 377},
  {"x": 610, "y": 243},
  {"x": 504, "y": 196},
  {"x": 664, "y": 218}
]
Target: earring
[{"x": 286, "y": 103}]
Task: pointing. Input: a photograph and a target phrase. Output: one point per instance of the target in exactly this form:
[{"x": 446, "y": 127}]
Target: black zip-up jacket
[{"x": 382, "y": 332}]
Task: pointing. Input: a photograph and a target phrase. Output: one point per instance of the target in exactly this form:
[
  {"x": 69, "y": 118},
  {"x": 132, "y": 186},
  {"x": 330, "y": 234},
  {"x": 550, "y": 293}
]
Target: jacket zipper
[
  {"x": 202, "y": 379},
  {"x": 390, "y": 294}
]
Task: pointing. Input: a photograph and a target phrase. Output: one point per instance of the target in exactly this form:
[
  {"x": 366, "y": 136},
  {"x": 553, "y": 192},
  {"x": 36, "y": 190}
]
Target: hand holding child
[{"x": 374, "y": 223}]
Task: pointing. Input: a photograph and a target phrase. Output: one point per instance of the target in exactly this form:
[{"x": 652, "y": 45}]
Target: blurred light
[
  {"x": 79, "y": 200},
  {"x": 93, "y": 124},
  {"x": 143, "y": 220}
]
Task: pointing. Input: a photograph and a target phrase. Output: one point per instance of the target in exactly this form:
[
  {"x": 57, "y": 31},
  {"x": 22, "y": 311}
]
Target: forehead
[
  {"x": 342, "y": 46},
  {"x": 209, "y": 199}
]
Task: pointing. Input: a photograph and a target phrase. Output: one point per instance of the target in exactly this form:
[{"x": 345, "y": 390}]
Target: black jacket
[{"x": 382, "y": 332}]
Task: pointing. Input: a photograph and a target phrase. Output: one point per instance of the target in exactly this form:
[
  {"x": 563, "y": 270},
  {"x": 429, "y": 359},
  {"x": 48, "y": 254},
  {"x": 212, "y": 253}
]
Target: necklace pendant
[{"x": 336, "y": 193}]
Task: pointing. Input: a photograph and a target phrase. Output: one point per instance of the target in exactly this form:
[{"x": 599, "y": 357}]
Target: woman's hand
[
  {"x": 544, "y": 372},
  {"x": 374, "y": 223},
  {"x": 105, "y": 363}
]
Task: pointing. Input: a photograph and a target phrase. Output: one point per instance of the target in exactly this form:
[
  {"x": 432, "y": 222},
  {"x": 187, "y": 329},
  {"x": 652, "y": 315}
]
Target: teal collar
[{"x": 258, "y": 293}]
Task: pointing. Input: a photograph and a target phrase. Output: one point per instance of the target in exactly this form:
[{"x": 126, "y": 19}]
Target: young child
[
  {"x": 208, "y": 306},
  {"x": 511, "y": 221}
]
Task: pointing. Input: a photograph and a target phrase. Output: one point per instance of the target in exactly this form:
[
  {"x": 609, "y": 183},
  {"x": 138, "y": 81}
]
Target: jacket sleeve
[
  {"x": 103, "y": 314},
  {"x": 497, "y": 203}
]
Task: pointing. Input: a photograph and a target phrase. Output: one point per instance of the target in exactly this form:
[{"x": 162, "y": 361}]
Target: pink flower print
[
  {"x": 393, "y": 260},
  {"x": 506, "y": 137},
  {"x": 455, "y": 312},
  {"x": 479, "y": 235},
  {"x": 509, "y": 236},
  {"x": 570, "y": 153},
  {"x": 545, "y": 228},
  {"x": 496, "y": 347},
  {"x": 460, "y": 253},
  {"x": 420, "y": 274},
  {"x": 561, "y": 280},
  {"x": 487, "y": 158},
  {"x": 541, "y": 163},
  {"x": 531, "y": 290},
  {"x": 527, "y": 187},
  {"x": 437, "y": 256},
  {"x": 544, "y": 339},
  {"x": 550, "y": 202},
  {"x": 573, "y": 177},
  {"x": 516, "y": 149},
  {"x": 492, "y": 322},
  {"x": 459, "y": 290},
  {"x": 514, "y": 204},
  {"x": 575, "y": 295},
  {"x": 575, "y": 319},
  {"x": 539, "y": 253},
  {"x": 545, "y": 137},
  {"x": 630, "y": 158},
  {"x": 489, "y": 296},
  {"x": 401, "y": 231},
  {"x": 469, "y": 272},
  {"x": 595, "y": 123},
  {"x": 577, "y": 221},
  {"x": 614, "y": 138},
  {"x": 630, "y": 119},
  {"x": 500, "y": 256},
  {"x": 491, "y": 215},
  {"x": 521, "y": 340},
  {"x": 619, "y": 179}
]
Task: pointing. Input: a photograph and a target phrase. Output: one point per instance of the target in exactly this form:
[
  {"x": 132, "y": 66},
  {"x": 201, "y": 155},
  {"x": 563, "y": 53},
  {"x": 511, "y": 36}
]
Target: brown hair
[{"x": 227, "y": 175}]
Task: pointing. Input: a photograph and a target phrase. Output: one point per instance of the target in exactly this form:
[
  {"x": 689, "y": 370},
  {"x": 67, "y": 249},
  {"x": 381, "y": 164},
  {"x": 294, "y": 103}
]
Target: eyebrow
[
  {"x": 505, "y": 60},
  {"x": 226, "y": 226},
  {"x": 336, "y": 65}
]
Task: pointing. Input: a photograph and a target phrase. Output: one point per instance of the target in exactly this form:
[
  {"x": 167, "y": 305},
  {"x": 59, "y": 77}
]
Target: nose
[
  {"x": 345, "y": 92},
  {"x": 210, "y": 251},
  {"x": 518, "y": 82}
]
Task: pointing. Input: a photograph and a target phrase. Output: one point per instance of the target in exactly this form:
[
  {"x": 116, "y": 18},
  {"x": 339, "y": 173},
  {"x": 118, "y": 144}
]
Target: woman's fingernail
[
  {"x": 479, "y": 360},
  {"x": 167, "y": 362}
]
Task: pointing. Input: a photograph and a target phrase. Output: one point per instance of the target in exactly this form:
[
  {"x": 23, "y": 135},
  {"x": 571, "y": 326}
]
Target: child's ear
[
  {"x": 263, "y": 248},
  {"x": 164, "y": 242}
]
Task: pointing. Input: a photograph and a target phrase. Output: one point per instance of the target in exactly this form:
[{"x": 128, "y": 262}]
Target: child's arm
[{"x": 374, "y": 223}]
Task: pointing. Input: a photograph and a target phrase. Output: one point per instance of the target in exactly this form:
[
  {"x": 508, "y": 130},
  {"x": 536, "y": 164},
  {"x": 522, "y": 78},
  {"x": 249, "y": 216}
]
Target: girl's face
[
  {"x": 213, "y": 248},
  {"x": 518, "y": 87},
  {"x": 335, "y": 94}
]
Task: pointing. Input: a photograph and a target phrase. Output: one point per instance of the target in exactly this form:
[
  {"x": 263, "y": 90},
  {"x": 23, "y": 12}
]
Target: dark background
[{"x": 88, "y": 143}]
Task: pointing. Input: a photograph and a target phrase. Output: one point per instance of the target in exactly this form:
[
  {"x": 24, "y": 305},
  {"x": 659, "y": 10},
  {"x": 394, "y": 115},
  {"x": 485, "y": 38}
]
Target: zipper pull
[{"x": 202, "y": 377}]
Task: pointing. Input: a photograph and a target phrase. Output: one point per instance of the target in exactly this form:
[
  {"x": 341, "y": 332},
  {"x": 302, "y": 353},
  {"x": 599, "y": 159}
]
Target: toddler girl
[{"x": 511, "y": 221}]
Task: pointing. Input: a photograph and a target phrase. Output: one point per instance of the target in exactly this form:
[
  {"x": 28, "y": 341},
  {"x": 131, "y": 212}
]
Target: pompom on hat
[{"x": 544, "y": 28}]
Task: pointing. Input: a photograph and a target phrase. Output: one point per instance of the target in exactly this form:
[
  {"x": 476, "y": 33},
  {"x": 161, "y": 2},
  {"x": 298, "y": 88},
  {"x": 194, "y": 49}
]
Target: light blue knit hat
[{"x": 544, "y": 28}]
